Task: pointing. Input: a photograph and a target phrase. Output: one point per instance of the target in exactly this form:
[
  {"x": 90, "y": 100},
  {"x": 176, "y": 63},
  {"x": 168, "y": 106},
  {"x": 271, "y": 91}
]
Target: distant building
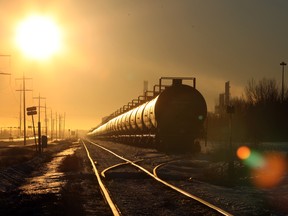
[{"x": 224, "y": 100}]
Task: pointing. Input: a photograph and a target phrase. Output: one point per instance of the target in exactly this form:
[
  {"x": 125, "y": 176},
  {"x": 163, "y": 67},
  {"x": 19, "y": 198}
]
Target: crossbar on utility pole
[{"x": 2, "y": 73}]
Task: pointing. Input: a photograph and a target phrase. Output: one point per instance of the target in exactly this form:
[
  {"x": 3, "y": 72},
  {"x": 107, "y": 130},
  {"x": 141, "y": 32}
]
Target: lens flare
[
  {"x": 243, "y": 152},
  {"x": 200, "y": 117},
  {"x": 255, "y": 160},
  {"x": 271, "y": 174},
  {"x": 250, "y": 157},
  {"x": 267, "y": 170}
]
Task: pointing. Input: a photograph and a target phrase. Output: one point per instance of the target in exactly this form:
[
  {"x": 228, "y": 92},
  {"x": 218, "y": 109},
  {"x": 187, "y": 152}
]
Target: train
[{"x": 171, "y": 117}]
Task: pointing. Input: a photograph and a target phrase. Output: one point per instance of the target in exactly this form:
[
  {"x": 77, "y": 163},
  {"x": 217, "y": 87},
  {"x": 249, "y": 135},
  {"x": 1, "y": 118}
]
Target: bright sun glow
[{"x": 38, "y": 37}]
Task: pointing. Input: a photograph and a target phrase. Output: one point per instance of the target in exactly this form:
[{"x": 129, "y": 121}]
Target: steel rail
[
  {"x": 159, "y": 165},
  {"x": 115, "y": 166},
  {"x": 113, "y": 207},
  {"x": 155, "y": 168},
  {"x": 223, "y": 212}
]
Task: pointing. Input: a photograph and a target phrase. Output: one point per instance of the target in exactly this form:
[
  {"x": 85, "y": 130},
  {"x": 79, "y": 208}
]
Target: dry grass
[
  {"x": 15, "y": 155},
  {"x": 10, "y": 156},
  {"x": 224, "y": 173},
  {"x": 71, "y": 163}
]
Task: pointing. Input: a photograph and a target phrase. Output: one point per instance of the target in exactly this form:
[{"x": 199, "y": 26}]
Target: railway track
[{"x": 133, "y": 189}]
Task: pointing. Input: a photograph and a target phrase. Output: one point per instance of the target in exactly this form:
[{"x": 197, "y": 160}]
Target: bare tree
[
  {"x": 265, "y": 91},
  {"x": 286, "y": 95}
]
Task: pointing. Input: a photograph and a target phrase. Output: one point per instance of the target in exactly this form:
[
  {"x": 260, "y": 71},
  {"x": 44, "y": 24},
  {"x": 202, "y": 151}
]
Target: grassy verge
[{"x": 16, "y": 155}]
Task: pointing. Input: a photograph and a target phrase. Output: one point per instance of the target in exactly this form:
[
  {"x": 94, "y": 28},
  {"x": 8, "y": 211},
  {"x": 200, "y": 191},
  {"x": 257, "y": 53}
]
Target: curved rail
[
  {"x": 115, "y": 166},
  {"x": 155, "y": 168},
  {"x": 113, "y": 207},
  {"x": 223, "y": 212},
  {"x": 159, "y": 165}
]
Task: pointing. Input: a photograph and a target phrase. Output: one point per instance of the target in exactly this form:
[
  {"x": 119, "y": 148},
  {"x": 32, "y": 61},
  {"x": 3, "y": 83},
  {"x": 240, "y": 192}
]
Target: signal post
[{"x": 33, "y": 111}]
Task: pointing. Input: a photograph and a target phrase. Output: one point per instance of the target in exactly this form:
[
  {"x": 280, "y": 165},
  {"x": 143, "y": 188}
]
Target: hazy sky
[{"x": 110, "y": 47}]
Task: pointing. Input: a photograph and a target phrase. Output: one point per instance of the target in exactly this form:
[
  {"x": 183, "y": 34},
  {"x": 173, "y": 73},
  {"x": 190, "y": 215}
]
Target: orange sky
[{"x": 110, "y": 47}]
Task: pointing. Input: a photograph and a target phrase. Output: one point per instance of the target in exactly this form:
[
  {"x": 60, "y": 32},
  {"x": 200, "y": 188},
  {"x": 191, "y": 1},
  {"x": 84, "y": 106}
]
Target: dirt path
[{"x": 56, "y": 183}]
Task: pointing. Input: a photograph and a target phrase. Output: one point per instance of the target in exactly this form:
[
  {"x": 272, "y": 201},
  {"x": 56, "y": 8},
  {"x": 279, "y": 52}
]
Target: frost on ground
[
  {"x": 58, "y": 183},
  {"x": 258, "y": 184}
]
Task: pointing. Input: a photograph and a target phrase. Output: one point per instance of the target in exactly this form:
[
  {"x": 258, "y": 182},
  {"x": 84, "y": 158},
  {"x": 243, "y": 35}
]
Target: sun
[{"x": 38, "y": 37}]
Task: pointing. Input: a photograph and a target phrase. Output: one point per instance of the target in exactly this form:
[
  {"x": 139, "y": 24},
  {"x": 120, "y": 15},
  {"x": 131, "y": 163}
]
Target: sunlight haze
[{"x": 100, "y": 52}]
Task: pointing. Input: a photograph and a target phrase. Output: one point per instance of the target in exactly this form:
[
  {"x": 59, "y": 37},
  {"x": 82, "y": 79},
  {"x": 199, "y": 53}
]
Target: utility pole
[
  {"x": 48, "y": 120},
  {"x": 283, "y": 64},
  {"x": 60, "y": 126},
  {"x": 20, "y": 114},
  {"x": 46, "y": 132},
  {"x": 24, "y": 102},
  {"x": 229, "y": 110},
  {"x": 64, "y": 125},
  {"x": 39, "y": 121},
  {"x": 56, "y": 124},
  {"x": 52, "y": 125}
]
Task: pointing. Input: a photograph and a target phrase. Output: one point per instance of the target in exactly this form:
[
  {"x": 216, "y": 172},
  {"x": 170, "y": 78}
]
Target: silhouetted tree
[
  {"x": 260, "y": 115},
  {"x": 266, "y": 112},
  {"x": 265, "y": 91},
  {"x": 239, "y": 131}
]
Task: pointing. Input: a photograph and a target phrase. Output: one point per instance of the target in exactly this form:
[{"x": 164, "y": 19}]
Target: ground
[
  {"x": 35, "y": 184},
  {"x": 60, "y": 181}
]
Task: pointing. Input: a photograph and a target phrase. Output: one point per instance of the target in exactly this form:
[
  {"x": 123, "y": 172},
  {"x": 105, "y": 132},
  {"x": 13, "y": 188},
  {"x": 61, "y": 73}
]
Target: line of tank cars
[{"x": 171, "y": 118}]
